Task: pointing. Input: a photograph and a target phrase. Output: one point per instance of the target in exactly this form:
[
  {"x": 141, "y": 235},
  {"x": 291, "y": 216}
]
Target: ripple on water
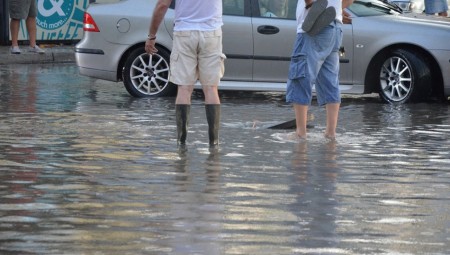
[
  {"x": 27, "y": 206},
  {"x": 394, "y": 220},
  {"x": 23, "y": 219}
]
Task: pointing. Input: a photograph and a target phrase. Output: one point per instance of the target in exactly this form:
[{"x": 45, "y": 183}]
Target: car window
[
  {"x": 233, "y": 7},
  {"x": 281, "y": 9}
]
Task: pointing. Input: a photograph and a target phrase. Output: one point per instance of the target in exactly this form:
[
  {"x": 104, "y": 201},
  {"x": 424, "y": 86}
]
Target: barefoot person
[
  {"x": 315, "y": 61},
  {"x": 436, "y": 6},
  {"x": 196, "y": 55}
]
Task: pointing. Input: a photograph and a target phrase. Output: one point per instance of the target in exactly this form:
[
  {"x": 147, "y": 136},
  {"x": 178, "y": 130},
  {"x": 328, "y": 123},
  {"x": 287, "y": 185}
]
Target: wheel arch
[{"x": 371, "y": 79}]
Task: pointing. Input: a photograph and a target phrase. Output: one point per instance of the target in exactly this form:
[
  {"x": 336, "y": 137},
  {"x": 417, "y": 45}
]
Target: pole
[{"x": 4, "y": 22}]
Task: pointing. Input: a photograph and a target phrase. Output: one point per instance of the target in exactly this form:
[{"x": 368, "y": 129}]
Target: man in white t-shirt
[{"x": 196, "y": 56}]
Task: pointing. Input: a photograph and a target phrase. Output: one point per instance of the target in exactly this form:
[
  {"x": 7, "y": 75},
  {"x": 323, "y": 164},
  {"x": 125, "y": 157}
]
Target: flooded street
[{"x": 87, "y": 169}]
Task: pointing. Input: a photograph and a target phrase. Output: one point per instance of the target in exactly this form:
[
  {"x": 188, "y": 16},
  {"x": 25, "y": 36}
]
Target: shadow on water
[{"x": 86, "y": 169}]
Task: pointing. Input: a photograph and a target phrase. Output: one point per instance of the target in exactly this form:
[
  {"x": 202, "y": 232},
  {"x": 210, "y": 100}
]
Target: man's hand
[
  {"x": 150, "y": 47},
  {"x": 346, "y": 19}
]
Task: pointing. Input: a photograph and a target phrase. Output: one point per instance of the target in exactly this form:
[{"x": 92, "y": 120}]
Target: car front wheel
[
  {"x": 404, "y": 77},
  {"x": 148, "y": 75}
]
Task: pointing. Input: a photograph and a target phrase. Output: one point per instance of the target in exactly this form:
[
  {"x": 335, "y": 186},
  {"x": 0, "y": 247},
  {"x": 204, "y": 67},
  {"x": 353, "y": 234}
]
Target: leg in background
[
  {"x": 31, "y": 27},
  {"x": 14, "y": 27}
]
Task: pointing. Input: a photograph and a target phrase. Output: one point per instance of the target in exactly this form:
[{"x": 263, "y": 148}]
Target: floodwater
[{"x": 86, "y": 169}]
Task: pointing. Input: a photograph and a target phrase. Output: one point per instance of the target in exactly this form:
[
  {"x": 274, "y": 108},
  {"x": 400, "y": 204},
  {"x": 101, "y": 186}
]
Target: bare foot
[{"x": 330, "y": 137}]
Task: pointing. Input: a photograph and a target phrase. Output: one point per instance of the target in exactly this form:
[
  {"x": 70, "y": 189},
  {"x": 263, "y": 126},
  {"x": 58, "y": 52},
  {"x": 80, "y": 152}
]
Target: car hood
[
  {"x": 427, "y": 19},
  {"x": 430, "y": 33}
]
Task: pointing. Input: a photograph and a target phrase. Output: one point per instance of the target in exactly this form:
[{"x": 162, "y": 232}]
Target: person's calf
[{"x": 14, "y": 26}]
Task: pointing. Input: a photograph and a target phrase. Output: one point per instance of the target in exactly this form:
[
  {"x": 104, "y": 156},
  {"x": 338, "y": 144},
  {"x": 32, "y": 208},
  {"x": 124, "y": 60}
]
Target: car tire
[
  {"x": 404, "y": 77},
  {"x": 147, "y": 75}
]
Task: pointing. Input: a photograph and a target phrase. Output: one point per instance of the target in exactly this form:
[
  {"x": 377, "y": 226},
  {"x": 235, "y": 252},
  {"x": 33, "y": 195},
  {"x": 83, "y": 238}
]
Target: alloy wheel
[
  {"x": 149, "y": 74},
  {"x": 396, "y": 79}
]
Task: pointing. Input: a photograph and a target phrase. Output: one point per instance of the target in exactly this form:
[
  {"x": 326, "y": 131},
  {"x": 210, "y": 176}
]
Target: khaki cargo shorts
[
  {"x": 22, "y": 9},
  {"x": 197, "y": 56}
]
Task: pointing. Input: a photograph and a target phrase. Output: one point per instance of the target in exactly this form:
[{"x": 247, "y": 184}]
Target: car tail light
[{"x": 89, "y": 23}]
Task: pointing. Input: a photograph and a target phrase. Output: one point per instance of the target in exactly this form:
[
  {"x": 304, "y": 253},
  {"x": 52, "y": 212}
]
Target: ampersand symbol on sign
[{"x": 56, "y": 8}]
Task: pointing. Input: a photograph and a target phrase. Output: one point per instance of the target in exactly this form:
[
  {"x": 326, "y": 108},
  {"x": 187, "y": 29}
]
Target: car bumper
[
  {"x": 99, "y": 74},
  {"x": 94, "y": 64},
  {"x": 99, "y": 63},
  {"x": 83, "y": 56}
]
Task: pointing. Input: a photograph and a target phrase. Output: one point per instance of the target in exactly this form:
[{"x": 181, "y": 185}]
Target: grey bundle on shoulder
[{"x": 319, "y": 16}]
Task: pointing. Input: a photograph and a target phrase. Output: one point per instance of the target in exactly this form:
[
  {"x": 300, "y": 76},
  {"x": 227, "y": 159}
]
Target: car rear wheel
[
  {"x": 148, "y": 75},
  {"x": 404, "y": 77}
]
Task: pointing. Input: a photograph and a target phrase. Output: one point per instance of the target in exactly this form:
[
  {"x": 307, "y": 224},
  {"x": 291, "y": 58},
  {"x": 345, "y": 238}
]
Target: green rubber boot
[
  {"x": 213, "y": 118},
  {"x": 182, "y": 112}
]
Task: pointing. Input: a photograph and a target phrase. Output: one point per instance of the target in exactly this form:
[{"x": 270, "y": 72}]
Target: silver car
[{"x": 384, "y": 51}]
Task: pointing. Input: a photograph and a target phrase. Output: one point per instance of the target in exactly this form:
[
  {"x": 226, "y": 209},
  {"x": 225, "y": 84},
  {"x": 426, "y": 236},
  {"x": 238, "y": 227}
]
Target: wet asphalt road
[{"x": 86, "y": 169}]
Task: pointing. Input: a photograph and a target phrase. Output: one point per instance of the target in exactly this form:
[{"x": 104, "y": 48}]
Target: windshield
[{"x": 364, "y": 8}]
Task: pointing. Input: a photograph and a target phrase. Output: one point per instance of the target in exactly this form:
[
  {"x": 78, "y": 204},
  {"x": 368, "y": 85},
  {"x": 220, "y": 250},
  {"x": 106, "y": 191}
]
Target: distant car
[
  {"x": 402, "y": 58},
  {"x": 405, "y": 5}
]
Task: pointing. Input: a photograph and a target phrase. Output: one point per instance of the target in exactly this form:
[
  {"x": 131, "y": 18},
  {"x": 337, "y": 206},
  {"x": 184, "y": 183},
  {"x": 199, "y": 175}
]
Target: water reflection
[
  {"x": 85, "y": 169},
  {"x": 197, "y": 213},
  {"x": 316, "y": 171}
]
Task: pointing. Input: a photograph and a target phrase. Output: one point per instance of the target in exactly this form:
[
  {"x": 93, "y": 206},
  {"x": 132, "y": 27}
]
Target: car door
[
  {"x": 274, "y": 38},
  {"x": 237, "y": 40},
  {"x": 274, "y": 33},
  {"x": 346, "y": 57}
]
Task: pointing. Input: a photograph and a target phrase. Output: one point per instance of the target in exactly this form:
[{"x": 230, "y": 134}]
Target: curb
[{"x": 51, "y": 55}]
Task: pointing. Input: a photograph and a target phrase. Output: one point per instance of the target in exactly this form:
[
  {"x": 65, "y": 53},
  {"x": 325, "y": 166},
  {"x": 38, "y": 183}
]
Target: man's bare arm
[
  {"x": 346, "y": 19},
  {"x": 158, "y": 15},
  {"x": 346, "y": 3}
]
